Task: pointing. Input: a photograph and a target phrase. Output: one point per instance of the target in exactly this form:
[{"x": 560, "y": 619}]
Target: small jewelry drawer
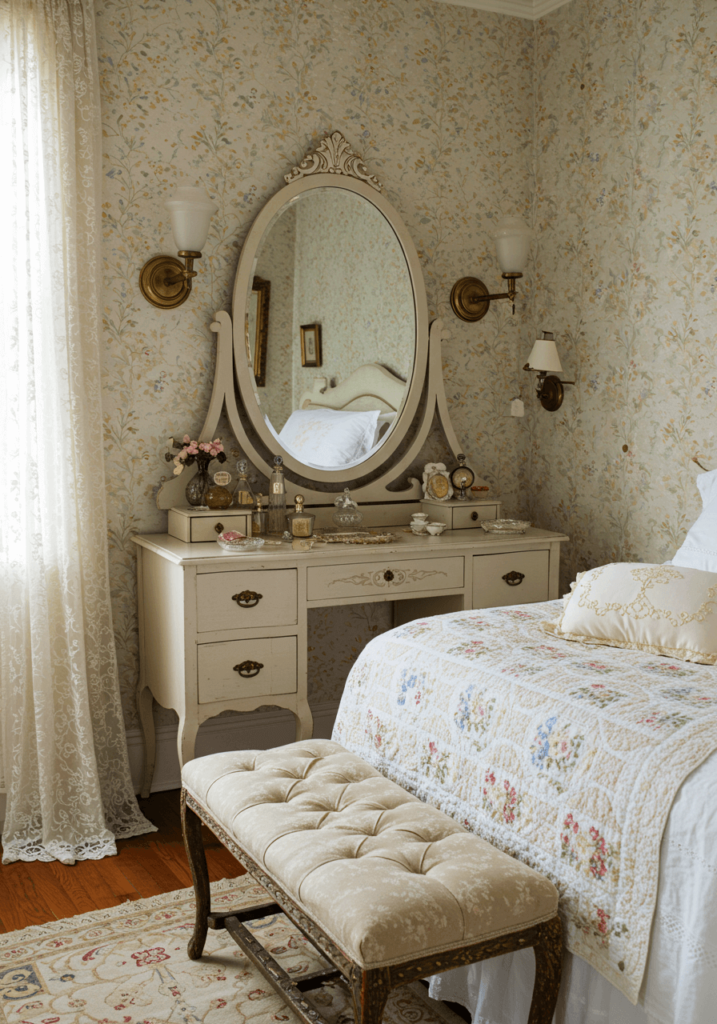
[
  {"x": 518, "y": 577},
  {"x": 246, "y": 668},
  {"x": 469, "y": 518},
  {"x": 384, "y": 578},
  {"x": 247, "y": 598},
  {"x": 196, "y": 527},
  {"x": 461, "y": 515}
]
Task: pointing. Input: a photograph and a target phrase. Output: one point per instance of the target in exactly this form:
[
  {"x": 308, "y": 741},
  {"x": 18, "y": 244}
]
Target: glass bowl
[
  {"x": 241, "y": 545},
  {"x": 346, "y": 517},
  {"x": 505, "y": 525}
]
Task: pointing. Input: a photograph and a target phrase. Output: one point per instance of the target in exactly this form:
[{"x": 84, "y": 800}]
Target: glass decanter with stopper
[
  {"x": 243, "y": 494},
  {"x": 276, "y": 517}
]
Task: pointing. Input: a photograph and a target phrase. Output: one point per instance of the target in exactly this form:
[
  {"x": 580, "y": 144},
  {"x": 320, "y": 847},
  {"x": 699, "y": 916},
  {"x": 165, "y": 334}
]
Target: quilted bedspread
[{"x": 566, "y": 757}]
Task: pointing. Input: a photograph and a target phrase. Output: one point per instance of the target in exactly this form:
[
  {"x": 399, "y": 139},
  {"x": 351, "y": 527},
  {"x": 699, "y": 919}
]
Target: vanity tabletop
[{"x": 473, "y": 541}]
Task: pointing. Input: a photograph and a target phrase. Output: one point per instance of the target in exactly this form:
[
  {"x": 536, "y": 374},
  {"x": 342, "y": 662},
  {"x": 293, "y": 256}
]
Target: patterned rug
[{"x": 129, "y": 965}]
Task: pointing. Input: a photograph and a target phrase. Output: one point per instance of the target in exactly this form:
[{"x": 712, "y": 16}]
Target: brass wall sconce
[
  {"x": 164, "y": 280},
  {"x": 470, "y": 299},
  {"x": 544, "y": 358}
]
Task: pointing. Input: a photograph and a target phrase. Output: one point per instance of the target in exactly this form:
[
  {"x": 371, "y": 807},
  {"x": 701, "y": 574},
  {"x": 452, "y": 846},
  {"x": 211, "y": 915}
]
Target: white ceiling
[{"x": 531, "y": 9}]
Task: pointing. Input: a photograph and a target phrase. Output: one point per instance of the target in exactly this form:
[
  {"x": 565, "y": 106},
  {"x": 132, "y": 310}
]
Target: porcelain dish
[{"x": 505, "y": 525}]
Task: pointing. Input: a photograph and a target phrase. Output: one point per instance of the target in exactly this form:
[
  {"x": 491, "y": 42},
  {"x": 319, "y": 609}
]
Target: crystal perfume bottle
[
  {"x": 301, "y": 523},
  {"x": 277, "y": 498},
  {"x": 243, "y": 494}
]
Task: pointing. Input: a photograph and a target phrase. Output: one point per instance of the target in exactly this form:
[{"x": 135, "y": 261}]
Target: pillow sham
[
  {"x": 659, "y": 609},
  {"x": 699, "y": 549},
  {"x": 329, "y": 438}
]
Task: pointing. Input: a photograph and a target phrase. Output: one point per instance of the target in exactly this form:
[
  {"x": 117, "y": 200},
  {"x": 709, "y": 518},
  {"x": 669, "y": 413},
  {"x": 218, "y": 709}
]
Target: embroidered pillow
[
  {"x": 659, "y": 609},
  {"x": 329, "y": 438},
  {"x": 699, "y": 550}
]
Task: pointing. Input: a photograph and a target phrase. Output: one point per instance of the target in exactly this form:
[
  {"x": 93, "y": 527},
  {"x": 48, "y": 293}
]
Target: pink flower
[{"x": 187, "y": 439}]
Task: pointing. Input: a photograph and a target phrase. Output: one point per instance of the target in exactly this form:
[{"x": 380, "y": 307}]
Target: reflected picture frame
[
  {"x": 262, "y": 289},
  {"x": 310, "y": 344}
]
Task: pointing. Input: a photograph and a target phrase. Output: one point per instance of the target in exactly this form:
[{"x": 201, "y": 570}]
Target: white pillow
[
  {"x": 329, "y": 438},
  {"x": 658, "y": 609},
  {"x": 699, "y": 550}
]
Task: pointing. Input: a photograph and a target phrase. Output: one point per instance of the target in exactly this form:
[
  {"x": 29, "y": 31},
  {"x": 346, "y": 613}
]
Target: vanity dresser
[{"x": 224, "y": 631}]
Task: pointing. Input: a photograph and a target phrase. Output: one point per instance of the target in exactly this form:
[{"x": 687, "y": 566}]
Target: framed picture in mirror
[
  {"x": 257, "y": 328},
  {"x": 310, "y": 344}
]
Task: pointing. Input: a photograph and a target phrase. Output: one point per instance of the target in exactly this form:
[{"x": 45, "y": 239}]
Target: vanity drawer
[
  {"x": 191, "y": 526},
  {"x": 247, "y": 598},
  {"x": 460, "y": 515},
  {"x": 527, "y": 573},
  {"x": 469, "y": 518},
  {"x": 268, "y": 666},
  {"x": 385, "y": 578}
]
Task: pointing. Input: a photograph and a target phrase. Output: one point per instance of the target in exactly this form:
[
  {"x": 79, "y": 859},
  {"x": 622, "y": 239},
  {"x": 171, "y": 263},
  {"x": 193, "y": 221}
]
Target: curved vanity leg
[
  {"x": 146, "y": 721},
  {"x": 186, "y": 736},
  {"x": 304, "y": 722}
]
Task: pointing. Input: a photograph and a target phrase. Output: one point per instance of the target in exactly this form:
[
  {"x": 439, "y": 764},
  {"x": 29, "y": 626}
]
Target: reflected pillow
[
  {"x": 329, "y": 438},
  {"x": 699, "y": 550},
  {"x": 658, "y": 609}
]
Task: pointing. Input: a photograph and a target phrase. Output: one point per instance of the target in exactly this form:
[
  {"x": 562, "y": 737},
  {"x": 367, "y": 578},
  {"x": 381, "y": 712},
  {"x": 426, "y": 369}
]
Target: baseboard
[
  {"x": 256, "y": 730},
  {"x": 259, "y": 729}
]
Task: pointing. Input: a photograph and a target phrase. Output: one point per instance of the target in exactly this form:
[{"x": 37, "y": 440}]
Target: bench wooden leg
[
  {"x": 370, "y": 992},
  {"x": 194, "y": 845},
  {"x": 548, "y": 966}
]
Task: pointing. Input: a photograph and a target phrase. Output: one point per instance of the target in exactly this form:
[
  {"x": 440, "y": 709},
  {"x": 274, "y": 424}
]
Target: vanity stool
[{"x": 387, "y": 888}]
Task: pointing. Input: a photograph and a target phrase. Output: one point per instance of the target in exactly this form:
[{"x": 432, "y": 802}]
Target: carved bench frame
[{"x": 370, "y": 988}]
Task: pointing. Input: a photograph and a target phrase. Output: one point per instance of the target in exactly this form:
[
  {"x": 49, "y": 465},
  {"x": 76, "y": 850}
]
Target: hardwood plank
[
  {"x": 110, "y": 870},
  {"x": 143, "y": 868},
  {"x": 175, "y": 857},
  {"x": 60, "y": 887},
  {"x": 21, "y": 903}
]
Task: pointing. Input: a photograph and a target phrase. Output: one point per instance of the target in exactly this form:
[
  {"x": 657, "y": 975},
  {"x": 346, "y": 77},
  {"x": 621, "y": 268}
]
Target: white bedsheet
[{"x": 680, "y": 984}]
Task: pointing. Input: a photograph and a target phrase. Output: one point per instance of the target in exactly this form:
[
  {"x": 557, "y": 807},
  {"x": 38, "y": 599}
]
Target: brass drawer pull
[
  {"x": 247, "y": 599},
  {"x": 247, "y": 669},
  {"x": 388, "y": 575},
  {"x": 219, "y": 528},
  {"x": 514, "y": 579},
  {"x": 474, "y": 516}
]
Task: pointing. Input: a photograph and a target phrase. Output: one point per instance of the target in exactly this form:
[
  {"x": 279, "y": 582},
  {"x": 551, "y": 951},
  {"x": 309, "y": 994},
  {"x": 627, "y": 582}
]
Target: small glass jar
[
  {"x": 217, "y": 495},
  {"x": 258, "y": 517}
]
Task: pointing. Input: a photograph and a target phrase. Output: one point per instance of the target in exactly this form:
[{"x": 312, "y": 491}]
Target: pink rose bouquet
[{"x": 191, "y": 451}]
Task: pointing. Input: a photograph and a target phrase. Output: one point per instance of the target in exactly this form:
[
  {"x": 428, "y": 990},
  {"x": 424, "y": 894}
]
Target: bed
[{"x": 597, "y": 767}]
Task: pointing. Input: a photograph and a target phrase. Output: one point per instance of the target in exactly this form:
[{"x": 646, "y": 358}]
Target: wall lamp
[
  {"x": 470, "y": 299},
  {"x": 544, "y": 358},
  {"x": 164, "y": 280}
]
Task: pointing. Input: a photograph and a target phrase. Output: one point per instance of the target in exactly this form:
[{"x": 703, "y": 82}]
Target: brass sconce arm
[
  {"x": 470, "y": 299},
  {"x": 165, "y": 281}
]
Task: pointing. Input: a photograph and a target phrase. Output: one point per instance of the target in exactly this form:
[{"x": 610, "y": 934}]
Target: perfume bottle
[
  {"x": 277, "y": 498},
  {"x": 258, "y": 517},
  {"x": 243, "y": 494},
  {"x": 217, "y": 496},
  {"x": 301, "y": 524}
]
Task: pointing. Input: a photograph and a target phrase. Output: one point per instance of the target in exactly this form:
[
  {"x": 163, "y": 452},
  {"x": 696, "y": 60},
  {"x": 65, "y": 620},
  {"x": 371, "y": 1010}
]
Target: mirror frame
[{"x": 310, "y": 180}]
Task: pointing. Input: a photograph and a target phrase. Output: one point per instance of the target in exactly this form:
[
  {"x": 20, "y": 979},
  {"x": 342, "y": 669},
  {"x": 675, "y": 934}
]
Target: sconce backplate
[
  {"x": 468, "y": 299},
  {"x": 551, "y": 393},
  {"x": 162, "y": 283}
]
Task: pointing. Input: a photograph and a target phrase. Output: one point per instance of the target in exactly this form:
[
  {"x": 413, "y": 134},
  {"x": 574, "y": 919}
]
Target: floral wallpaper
[
  {"x": 230, "y": 94},
  {"x": 625, "y": 207}
]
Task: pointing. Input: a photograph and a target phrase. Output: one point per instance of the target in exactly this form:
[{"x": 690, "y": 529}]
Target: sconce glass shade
[
  {"x": 544, "y": 357},
  {"x": 191, "y": 210},
  {"x": 512, "y": 241}
]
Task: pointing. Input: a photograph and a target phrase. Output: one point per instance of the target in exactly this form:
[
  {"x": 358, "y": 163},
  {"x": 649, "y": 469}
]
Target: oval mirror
[{"x": 332, "y": 359}]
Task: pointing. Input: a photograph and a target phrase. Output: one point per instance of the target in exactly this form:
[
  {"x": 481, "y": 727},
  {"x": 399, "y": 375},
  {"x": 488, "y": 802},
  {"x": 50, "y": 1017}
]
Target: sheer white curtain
[{"x": 62, "y": 743}]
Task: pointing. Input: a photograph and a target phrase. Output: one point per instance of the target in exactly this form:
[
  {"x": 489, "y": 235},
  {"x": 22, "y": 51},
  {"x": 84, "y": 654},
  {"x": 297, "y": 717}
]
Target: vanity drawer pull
[
  {"x": 514, "y": 579},
  {"x": 247, "y": 669},
  {"x": 247, "y": 598},
  {"x": 474, "y": 516},
  {"x": 219, "y": 528},
  {"x": 388, "y": 575}
]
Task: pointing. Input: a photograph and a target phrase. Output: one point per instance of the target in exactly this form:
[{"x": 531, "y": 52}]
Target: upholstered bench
[{"x": 386, "y": 887}]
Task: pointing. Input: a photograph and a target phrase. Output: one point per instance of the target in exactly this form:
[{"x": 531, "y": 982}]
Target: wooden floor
[{"x": 146, "y": 866}]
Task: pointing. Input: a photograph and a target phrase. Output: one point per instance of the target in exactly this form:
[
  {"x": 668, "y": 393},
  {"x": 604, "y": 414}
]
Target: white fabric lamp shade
[
  {"x": 544, "y": 356},
  {"x": 191, "y": 210},
  {"x": 512, "y": 241}
]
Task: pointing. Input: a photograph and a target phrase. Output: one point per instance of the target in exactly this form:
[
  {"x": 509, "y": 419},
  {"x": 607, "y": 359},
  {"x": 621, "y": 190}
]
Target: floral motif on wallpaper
[{"x": 231, "y": 94}]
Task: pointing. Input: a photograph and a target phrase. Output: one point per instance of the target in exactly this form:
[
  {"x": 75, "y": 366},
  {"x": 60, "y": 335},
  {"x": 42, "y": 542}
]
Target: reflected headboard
[{"x": 371, "y": 386}]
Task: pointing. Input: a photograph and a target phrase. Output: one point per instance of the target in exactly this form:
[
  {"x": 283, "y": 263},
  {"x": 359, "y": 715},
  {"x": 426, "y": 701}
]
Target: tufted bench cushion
[{"x": 386, "y": 876}]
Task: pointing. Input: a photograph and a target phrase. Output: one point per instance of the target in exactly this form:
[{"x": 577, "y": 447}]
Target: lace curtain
[{"x": 62, "y": 743}]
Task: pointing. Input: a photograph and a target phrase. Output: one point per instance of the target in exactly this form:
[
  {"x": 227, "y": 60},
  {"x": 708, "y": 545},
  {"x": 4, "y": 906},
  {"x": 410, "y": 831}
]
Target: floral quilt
[{"x": 566, "y": 758}]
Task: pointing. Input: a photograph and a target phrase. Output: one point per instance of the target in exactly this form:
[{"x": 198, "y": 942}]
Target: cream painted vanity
[{"x": 221, "y": 631}]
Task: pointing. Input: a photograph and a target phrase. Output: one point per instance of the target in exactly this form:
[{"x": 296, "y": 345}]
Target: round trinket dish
[
  {"x": 237, "y": 543},
  {"x": 436, "y": 529}
]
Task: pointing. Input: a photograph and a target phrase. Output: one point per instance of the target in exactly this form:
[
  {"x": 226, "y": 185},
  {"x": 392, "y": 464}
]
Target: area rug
[{"x": 129, "y": 965}]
